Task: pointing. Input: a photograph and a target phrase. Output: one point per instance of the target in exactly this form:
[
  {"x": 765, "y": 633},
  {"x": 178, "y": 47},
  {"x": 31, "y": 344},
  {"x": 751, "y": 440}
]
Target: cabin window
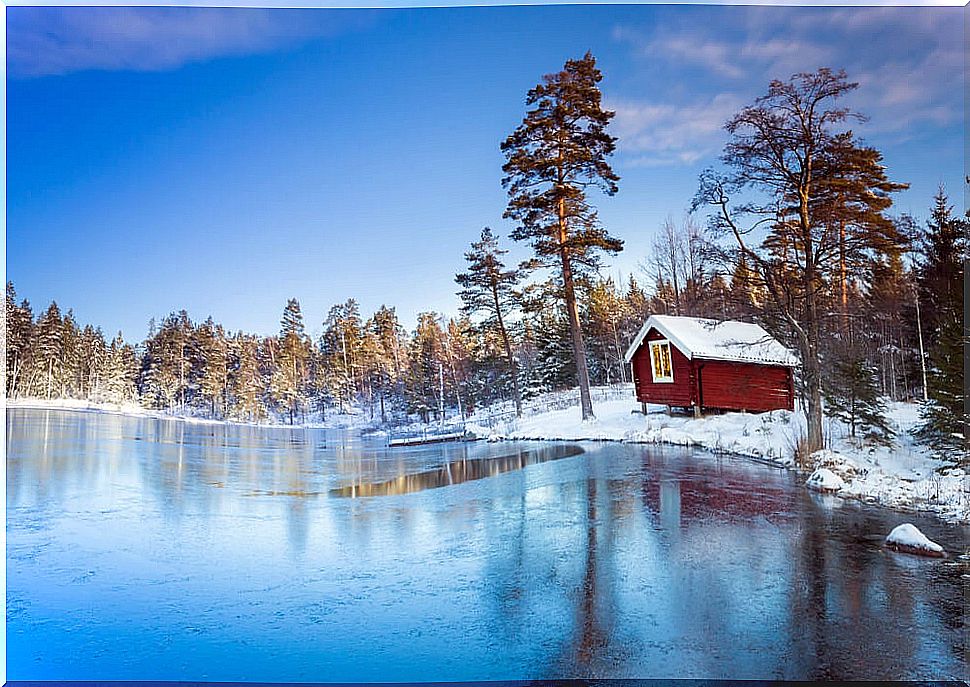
[{"x": 661, "y": 364}]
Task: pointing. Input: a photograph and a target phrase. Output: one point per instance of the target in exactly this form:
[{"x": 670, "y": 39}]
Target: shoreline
[
  {"x": 903, "y": 478},
  {"x": 767, "y": 462},
  {"x": 131, "y": 410}
]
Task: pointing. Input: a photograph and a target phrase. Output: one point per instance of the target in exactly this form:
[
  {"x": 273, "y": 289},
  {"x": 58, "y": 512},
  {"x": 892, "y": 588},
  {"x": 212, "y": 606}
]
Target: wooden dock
[{"x": 431, "y": 439}]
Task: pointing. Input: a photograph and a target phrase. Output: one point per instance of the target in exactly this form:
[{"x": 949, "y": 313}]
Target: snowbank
[
  {"x": 824, "y": 480},
  {"x": 351, "y": 420},
  {"x": 94, "y": 407},
  {"x": 909, "y": 539},
  {"x": 904, "y": 476}
]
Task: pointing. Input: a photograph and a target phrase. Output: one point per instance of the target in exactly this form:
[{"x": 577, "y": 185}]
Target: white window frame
[{"x": 653, "y": 370}]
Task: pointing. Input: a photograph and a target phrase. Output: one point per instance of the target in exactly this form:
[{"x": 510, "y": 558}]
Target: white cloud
[
  {"x": 58, "y": 40},
  {"x": 909, "y": 62},
  {"x": 652, "y": 134}
]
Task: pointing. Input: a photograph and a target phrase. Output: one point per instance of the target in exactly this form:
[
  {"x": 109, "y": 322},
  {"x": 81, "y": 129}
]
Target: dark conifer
[
  {"x": 940, "y": 276},
  {"x": 489, "y": 287},
  {"x": 852, "y": 394}
]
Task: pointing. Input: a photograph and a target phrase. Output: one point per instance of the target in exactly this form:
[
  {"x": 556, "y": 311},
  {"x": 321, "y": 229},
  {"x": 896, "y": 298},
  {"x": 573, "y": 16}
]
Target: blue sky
[{"x": 224, "y": 160}]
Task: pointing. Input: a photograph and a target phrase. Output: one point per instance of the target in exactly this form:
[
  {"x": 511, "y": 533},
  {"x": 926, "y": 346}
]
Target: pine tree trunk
[
  {"x": 922, "y": 353},
  {"x": 842, "y": 277},
  {"x": 508, "y": 351},
  {"x": 579, "y": 348}
]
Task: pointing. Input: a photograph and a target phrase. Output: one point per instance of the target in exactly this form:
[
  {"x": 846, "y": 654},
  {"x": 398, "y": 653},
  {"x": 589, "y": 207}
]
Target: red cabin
[{"x": 688, "y": 362}]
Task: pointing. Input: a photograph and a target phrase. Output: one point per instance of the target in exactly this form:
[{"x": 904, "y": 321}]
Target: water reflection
[
  {"x": 136, "y": 549},
  {"x": 456, "y": 472}
]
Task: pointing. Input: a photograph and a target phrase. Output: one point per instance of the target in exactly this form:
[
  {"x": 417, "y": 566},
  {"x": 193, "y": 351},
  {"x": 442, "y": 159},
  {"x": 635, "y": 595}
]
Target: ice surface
[{"x": 152, "y": 549}]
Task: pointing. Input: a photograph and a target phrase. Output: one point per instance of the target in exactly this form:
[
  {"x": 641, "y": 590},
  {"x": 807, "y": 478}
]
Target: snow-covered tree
[
  {"x": 213, "y": 362},
  {"x": 940, "y": 275},
  {"x": 19, "y": 334},
  {"x": 852, "y": 393},
  {"x": 488, "y": 287},
  {"x": 47, "y": 349},
  {"x": 289, "y": 384}
]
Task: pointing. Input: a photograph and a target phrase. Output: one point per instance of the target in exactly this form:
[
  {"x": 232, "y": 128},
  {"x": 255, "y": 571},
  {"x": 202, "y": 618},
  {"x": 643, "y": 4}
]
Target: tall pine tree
[{"x": 553, "y": 158}]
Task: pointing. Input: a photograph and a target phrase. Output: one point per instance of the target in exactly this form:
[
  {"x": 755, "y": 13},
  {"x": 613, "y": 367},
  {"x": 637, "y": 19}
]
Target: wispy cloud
[
  {"x": 908, "y": 62},
  {"x": 45, "y": 41},
  {"x": 661, "y": 134}
]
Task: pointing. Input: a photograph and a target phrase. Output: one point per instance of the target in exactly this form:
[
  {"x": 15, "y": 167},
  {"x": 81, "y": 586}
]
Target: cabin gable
[{"x": 676, "y": 392}]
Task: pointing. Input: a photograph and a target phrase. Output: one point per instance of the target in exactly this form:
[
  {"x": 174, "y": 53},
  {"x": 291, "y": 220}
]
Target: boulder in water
[
  {"x": 825, "y": 481},
  {"x": 908, "y": 539}
]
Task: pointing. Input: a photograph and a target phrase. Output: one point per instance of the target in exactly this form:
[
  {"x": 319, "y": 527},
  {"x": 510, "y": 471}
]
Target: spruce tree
[
  {"x": 48, "y": 348},
  {"x": 19, "y": 332},
  {"x": 392, "y": 357},
  {"x": 426, "y": 368},
  {"x": 120, "y": 371},
  {"x": 489, "y": 287},
  {"x": 553, "y": 158},
  {"x": 247, "y": 382},
  {"x": 214, "y": 366},
  {"x": 940, "y": 276},
  {"x": 340, "y": 344},
  {"x": 852, "y": 394},
  {"x": 290, "y": 375}
]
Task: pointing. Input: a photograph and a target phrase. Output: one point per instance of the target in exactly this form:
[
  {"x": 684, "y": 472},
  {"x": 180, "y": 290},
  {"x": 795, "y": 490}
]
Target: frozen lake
[{"x": 154, "y": 549}]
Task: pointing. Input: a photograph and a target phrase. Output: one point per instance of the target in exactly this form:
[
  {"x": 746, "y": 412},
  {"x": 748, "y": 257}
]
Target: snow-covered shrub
[{"x": 841, "y": 465}]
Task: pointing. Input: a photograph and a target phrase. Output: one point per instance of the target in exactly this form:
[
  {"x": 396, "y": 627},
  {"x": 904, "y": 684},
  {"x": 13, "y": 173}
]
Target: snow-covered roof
[{"x": 715, "y": 340}]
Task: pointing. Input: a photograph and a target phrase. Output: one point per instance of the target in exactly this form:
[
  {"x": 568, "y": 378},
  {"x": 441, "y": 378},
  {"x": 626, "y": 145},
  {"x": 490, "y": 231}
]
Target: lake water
[{"x": 154, "y": 549}]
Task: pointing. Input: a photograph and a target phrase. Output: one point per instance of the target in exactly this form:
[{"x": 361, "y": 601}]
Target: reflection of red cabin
[
  {"x": 689, "y": 362},
  {"x": 725, "y": 493}
]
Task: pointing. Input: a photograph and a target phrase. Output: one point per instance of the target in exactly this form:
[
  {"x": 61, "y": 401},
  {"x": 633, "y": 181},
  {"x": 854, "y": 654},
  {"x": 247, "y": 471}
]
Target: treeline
[
  {"x": 512, "y": 339},
  {"x": 444, "y": 365}
]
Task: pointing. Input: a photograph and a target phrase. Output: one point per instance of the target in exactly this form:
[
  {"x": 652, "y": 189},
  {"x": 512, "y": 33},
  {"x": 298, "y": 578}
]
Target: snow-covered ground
[
  {"x": 904, "y": 476},
  {"x": 356, "y": 419}
]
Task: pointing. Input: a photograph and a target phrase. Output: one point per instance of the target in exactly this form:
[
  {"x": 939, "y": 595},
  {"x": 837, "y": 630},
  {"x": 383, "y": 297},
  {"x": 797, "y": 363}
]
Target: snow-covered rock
[
  {"x": 908, "y": 539},
  {"x": 825, "y": 480}
]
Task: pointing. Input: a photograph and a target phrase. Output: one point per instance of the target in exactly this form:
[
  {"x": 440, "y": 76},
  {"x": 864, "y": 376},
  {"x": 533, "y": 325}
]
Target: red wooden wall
[{"x": 744, "y": 386}]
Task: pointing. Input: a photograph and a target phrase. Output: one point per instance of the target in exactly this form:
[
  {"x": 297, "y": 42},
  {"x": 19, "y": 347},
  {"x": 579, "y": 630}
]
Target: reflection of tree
[
  {"x": 834, "y": 605},
  {"x": 595, "y": 639},
  {"x": 456, "y": 472},
  {"x": 591, "y": 638},
  {"x": 852, "y": 608},
  {"x": 296, "y": 464}
]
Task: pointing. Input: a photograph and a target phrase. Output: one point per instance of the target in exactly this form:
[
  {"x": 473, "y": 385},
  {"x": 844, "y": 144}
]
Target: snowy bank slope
[
  {"x": 356, "y": 419},
  {"x": 904, "y": 476}
]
